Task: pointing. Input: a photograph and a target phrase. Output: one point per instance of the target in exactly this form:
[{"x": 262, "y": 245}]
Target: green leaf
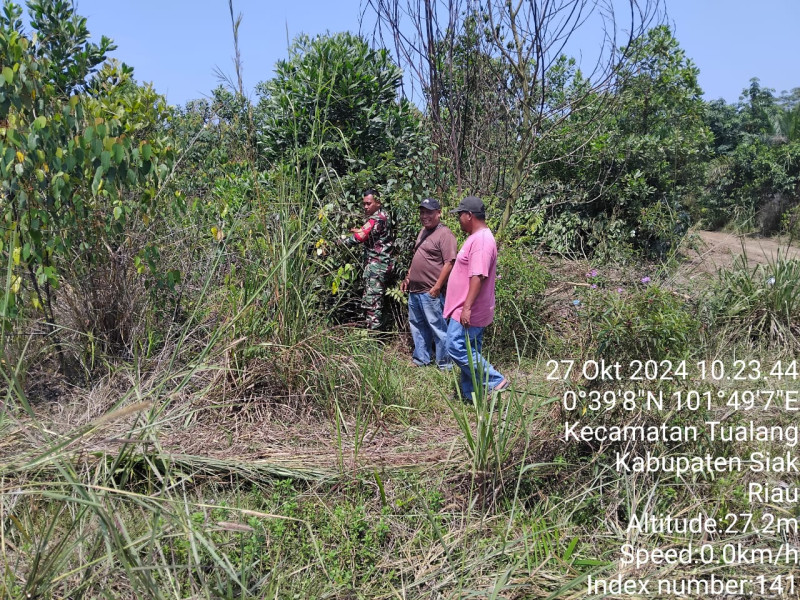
[
  {"x": 147, "y": 151},
  {"x": 117, "y": 213},
  {"x": 8, "y": 156},
  {"x": 98, "y": 178},
  {"x": 8, "y": 74},
  {"x": 119, "y": 153},
  {"x": 105, "y": 159}
]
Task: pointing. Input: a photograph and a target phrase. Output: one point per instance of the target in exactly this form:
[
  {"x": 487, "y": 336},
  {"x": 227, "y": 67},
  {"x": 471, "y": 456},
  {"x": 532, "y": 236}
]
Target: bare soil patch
[{"x": 709, "y": 251}]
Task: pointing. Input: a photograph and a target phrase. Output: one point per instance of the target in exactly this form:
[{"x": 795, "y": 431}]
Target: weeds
[
  {"x": 760, "y": 302},
  {"x": 520, "y": 287},
  {"x": 644, "y": 321},
  {"x": 500, "y": 423}
]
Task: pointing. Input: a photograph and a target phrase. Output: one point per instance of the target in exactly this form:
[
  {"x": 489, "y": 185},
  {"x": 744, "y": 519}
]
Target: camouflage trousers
[{"x": 376, "y": 277}]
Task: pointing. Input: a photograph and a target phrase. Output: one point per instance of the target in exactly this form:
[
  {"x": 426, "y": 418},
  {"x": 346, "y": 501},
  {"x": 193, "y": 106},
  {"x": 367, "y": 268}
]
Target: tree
[
  {"x": 756, "y": 180},
  {"x": 527, "y": 41},
  {"x": 665, "y": 141},
  {"x": 70, "y": 153},
  {"x": 787, "y": 122},
  {"x": 758, "y": 108},
  {"x": 332, "y": 118},
  {"x": 63, "y": 43},
  {"x": 333, "y": 108},
  {"x": 725, "y": 123},
  {"x": 628, "y": 185}
]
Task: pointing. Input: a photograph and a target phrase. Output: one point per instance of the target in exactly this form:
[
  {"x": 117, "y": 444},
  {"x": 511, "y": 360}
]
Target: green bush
[
  {"x": 752, "y": 182},
  {"x": 331, "y": 119},
  {"x": 646, "y": 322},
  {"x": 790, "y": 223},
  {"x": 521, "y": 282},
  {"x": 625, "y": 190}
]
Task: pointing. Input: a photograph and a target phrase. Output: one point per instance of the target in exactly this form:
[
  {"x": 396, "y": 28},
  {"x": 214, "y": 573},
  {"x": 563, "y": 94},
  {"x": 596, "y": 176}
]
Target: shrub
[
  {"x": 82, "y": 166},
  {"x": 647, "y": 322},
  {"x": 790, "y": 223},
  {"x": 519, "y": 293},
  {"x": 331, "y": 119}
]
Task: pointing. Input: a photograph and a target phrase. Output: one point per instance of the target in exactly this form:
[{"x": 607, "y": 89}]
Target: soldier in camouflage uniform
[{"x": 375, "y": 234}]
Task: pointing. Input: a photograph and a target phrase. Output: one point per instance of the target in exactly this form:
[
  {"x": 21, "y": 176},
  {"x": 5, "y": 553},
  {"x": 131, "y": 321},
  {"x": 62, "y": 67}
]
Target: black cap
[
  {"x": 470, "y": 204},
  {"x": 430, "y": 204}
]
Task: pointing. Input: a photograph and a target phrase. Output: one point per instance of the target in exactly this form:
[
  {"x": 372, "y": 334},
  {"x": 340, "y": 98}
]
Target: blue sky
[{"x": 176, "y": 44}]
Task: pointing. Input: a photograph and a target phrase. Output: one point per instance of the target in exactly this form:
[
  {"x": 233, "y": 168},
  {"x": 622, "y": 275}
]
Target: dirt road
[{"x": 711, "y": 250}]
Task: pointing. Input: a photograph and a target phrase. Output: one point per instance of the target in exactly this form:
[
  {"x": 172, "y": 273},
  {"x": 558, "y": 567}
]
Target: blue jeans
[
  {"x": 428, "y": 328},
  {"x": 457, "y": 349}
]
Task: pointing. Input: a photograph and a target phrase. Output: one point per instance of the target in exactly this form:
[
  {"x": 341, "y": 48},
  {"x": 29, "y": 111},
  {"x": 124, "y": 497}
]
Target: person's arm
[
  {"x": 360, "y": 234},
  {"x": 475, "y": 283},
  {"x": 449, "y": 250},
  {"x": 440, "y": 283}
]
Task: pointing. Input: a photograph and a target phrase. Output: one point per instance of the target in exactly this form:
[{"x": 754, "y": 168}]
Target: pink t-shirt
[{"x": 478, "y": 256}]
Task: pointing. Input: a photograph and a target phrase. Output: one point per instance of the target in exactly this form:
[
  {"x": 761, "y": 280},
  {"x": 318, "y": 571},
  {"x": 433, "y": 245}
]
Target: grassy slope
[{"x": 349, "y": 477}]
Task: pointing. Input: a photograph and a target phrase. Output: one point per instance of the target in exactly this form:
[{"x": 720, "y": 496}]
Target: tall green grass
[{"x": 762, "y": 302}]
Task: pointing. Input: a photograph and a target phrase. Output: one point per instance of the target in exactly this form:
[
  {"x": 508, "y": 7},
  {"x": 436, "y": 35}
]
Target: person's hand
[
  {"x": 466, "y": 314},
  {"x": 404, "y": 285},
  {"x": 435, "y": 291}
]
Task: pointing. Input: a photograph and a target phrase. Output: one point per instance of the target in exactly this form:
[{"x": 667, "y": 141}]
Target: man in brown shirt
[{"x": 434, "y": 254}]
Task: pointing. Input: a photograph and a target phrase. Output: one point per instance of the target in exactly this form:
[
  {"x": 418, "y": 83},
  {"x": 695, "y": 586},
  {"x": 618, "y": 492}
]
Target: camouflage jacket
[{"x": 376, "y": 235}]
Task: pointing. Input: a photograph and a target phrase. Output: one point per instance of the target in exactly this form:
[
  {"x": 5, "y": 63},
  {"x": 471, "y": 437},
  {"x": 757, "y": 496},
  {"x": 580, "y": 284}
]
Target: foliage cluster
[
  {"x": 753, "y": 180},
  {"x": 330, "y": 117},
  {"x": 519, "y": 291},
  {"x": 643, "y": 322},
  {"x": 626, "y": 186},
  {"x": 82, "y": 164}
]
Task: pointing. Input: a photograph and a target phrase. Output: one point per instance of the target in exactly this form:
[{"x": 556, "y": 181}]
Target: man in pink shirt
[{"x": 469, "y": 303}]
